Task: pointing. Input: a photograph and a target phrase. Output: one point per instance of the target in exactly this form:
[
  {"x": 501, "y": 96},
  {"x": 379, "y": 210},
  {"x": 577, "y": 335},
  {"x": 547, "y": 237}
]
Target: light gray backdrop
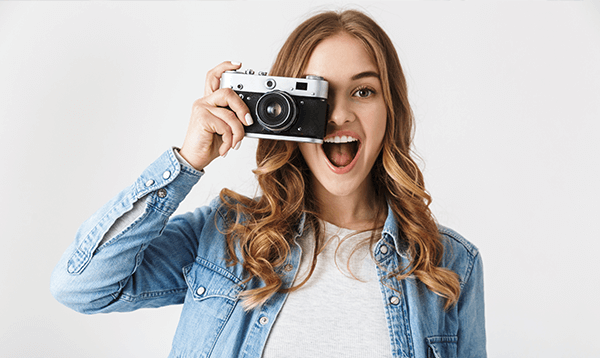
[{"x": 507, "y": 101}]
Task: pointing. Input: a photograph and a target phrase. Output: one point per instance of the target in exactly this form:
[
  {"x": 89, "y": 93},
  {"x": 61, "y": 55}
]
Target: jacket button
[
  {"x": 288, "y": 267},
  {"x": 149, "y": 182},
  {"x": 162, "y": 193},
  {"x": 166, "y": 175},
  {"x": 383, "y": 249},
  {"x": 394, "y": 300},
  {"x": 264, "y": 320},
  {"x": 200, "y": 291}
]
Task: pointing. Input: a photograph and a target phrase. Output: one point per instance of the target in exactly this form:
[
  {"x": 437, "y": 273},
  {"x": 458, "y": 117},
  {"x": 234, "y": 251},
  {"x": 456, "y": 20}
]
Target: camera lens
[{"x": 276, "y": 111}]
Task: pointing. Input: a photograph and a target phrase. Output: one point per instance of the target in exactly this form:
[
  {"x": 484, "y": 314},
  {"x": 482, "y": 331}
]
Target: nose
[{"x": 339, "y": 112}]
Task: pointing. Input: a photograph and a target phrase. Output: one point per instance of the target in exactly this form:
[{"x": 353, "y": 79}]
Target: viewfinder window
[{"x": 301, "y": 86}]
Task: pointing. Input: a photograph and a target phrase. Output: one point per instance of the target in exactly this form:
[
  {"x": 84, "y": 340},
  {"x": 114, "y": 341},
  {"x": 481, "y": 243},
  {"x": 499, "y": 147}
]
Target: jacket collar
[
  {"x": 390, "y": 231},
  {"x": 300, "y": 227}
]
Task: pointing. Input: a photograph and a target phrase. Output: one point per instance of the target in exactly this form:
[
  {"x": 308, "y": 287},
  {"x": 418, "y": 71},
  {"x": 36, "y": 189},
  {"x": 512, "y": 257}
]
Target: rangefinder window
[{"x": 301, "y": 86}]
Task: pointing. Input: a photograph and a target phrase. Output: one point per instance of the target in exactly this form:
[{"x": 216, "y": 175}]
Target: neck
[{"x": 360, "y": 210}]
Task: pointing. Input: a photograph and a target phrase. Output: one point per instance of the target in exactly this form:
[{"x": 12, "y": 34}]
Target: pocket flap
[
  {"x": 206, "y": 280},
  {"x": 442, "y": 346}
]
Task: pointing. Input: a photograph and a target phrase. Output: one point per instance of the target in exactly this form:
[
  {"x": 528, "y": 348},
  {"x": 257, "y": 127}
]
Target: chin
[
  {"x": 356, "y": 181},
  {"x": 336, "y": 180}
]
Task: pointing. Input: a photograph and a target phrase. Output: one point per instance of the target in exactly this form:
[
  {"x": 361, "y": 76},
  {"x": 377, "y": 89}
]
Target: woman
[{"x": 260, "y": 277}]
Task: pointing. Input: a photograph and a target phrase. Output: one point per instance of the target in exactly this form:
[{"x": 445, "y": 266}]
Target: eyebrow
[{"x": 358, "y": 76}]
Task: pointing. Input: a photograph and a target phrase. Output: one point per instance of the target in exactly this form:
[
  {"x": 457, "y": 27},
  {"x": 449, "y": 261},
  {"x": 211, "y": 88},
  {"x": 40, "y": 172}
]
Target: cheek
[
  {"x": 378, "y": 128},
  {"x": 375, "y": 121},
  {"x": 309, "y": 151},
  {"x": 382, "y": 121}
]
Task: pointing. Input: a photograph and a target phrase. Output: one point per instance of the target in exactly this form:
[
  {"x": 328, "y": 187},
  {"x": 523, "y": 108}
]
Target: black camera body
[{"x": 283, "y": 108}]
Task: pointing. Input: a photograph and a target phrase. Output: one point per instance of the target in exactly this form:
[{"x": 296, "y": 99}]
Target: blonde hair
[{"x": 265, "y": 227}]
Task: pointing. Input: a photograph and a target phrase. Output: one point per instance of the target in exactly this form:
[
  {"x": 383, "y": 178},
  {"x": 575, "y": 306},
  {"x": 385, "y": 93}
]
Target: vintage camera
[{"x": 283, "y": 108}]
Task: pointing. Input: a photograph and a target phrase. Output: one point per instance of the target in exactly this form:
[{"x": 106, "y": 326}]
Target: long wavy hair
[{"x": 261, "y": 237}]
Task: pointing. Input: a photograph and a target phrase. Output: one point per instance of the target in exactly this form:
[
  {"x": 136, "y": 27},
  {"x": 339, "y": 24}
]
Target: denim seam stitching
[
  {"x": 469, "y": 271},
  {"x": 88, "y": 253},
  {"x": 218, "y": 269},
  {"x": 151, "y": 294},
  {"x": 442, "y": 339},
  {"x": 118, "y": 236},
  {"x": 471, "y": 249}
]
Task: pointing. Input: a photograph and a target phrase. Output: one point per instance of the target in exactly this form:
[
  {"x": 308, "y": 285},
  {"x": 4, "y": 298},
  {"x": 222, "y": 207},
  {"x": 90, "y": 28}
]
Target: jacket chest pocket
[
  {"x": 206, "y": 280},
  {"x": 209, "y": 303},
  {"x": 212, "y": 289},
  {"x": 442, "y": 347}
]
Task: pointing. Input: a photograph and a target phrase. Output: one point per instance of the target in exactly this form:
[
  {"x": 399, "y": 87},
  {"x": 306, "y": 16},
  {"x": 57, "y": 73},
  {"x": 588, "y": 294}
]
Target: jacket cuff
[{"x": 167, "y": 181}]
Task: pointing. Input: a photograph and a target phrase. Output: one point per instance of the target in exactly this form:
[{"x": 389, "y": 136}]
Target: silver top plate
[{"x": 306, "y": 87}]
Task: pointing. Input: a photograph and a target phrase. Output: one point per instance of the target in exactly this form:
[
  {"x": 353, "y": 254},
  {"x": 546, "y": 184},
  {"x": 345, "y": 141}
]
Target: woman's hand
[{"x": 213, "y": 129}]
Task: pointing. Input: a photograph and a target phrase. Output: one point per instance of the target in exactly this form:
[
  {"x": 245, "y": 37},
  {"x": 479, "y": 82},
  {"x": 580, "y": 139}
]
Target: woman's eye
[{"x": 363, "y": 92}]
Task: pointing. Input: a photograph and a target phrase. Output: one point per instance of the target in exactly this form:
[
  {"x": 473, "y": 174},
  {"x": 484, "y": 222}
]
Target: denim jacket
[{"x": 158, "y": 260}]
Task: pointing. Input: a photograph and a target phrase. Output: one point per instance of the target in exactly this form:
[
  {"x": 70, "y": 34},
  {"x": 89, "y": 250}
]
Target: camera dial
[{"x": 270, "y": 83}]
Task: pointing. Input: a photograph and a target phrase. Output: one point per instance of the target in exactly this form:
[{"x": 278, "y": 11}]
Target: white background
[{"x": 507, "y": 101}]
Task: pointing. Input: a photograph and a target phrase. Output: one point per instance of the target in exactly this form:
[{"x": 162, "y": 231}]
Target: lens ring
[{"x": 276, "y": 111}]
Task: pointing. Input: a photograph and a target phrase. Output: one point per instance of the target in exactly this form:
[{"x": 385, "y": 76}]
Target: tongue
[{"x": 341, "y": 154}]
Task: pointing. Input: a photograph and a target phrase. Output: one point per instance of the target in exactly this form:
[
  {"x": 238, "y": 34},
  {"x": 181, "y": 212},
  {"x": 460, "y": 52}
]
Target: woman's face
[{"x": 357, "y": 118}]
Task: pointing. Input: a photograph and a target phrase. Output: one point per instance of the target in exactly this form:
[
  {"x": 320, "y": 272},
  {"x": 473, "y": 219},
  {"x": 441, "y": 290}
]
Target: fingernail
[
  {"x": 224, "y": 155},
  {"x": 237, "y": 145},
  {"x": 235, "y": 63},
  {"x": 248, "y": 119}
]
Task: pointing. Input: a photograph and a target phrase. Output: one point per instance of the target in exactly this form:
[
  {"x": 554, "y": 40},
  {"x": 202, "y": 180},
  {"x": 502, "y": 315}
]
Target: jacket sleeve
[
  {"x": 471, "y": 313},
  {"x": 140, "y": 264}
]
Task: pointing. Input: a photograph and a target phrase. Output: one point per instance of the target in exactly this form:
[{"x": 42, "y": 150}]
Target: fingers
[
  {"x": 235, "y": 116},
  {"x": 213, "y": 77},
  {"x": 226, "y": 97},
  {"x": 225, "y": 140},
  {"x": 216, "y": 126},
  {"x": 217, "y": 121},
  {"x": 229, "y": 128}
]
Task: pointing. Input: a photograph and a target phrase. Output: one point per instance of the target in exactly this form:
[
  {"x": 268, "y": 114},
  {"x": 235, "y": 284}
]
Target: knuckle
[
  {"x": 212, "y": 72},
  {"x": 230, "y": 116},
  {"x": 198, "y": 106},
  {"x": 236, "y": 101},
  {"x": 229, "y": 93},
  {"x": 197, "y": 103}
]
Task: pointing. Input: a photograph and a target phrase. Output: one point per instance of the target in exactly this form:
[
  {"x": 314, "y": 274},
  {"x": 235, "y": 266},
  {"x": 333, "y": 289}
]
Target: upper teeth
[{"x": 338, "y": 139}]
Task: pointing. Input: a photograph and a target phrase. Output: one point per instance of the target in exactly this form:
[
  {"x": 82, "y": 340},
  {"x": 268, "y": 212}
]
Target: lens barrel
[{"x": 276, "y": 111}]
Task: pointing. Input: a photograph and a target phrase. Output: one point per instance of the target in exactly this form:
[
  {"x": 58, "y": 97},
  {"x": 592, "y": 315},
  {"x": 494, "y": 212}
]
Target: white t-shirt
[{"x": 334, "y": 314}]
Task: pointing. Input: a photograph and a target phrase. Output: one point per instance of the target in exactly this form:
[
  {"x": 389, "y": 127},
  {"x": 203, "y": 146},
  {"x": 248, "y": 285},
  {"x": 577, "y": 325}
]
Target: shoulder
[
  {"x": 202, "y": 218},
  {"x": 217, "y": 210},
  {"x": 460, "y": 255},
  {"x": 225, "y": 209},
  {"x": 457, "y": 241}
]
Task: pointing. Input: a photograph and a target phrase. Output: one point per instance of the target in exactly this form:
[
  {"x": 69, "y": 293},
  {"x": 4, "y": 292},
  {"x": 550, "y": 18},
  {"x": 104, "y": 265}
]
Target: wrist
[{"x": 187, "y": 160}]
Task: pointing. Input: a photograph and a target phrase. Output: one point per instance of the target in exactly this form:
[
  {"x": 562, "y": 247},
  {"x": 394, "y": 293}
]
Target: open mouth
[{"x": 341, "y": 150}]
